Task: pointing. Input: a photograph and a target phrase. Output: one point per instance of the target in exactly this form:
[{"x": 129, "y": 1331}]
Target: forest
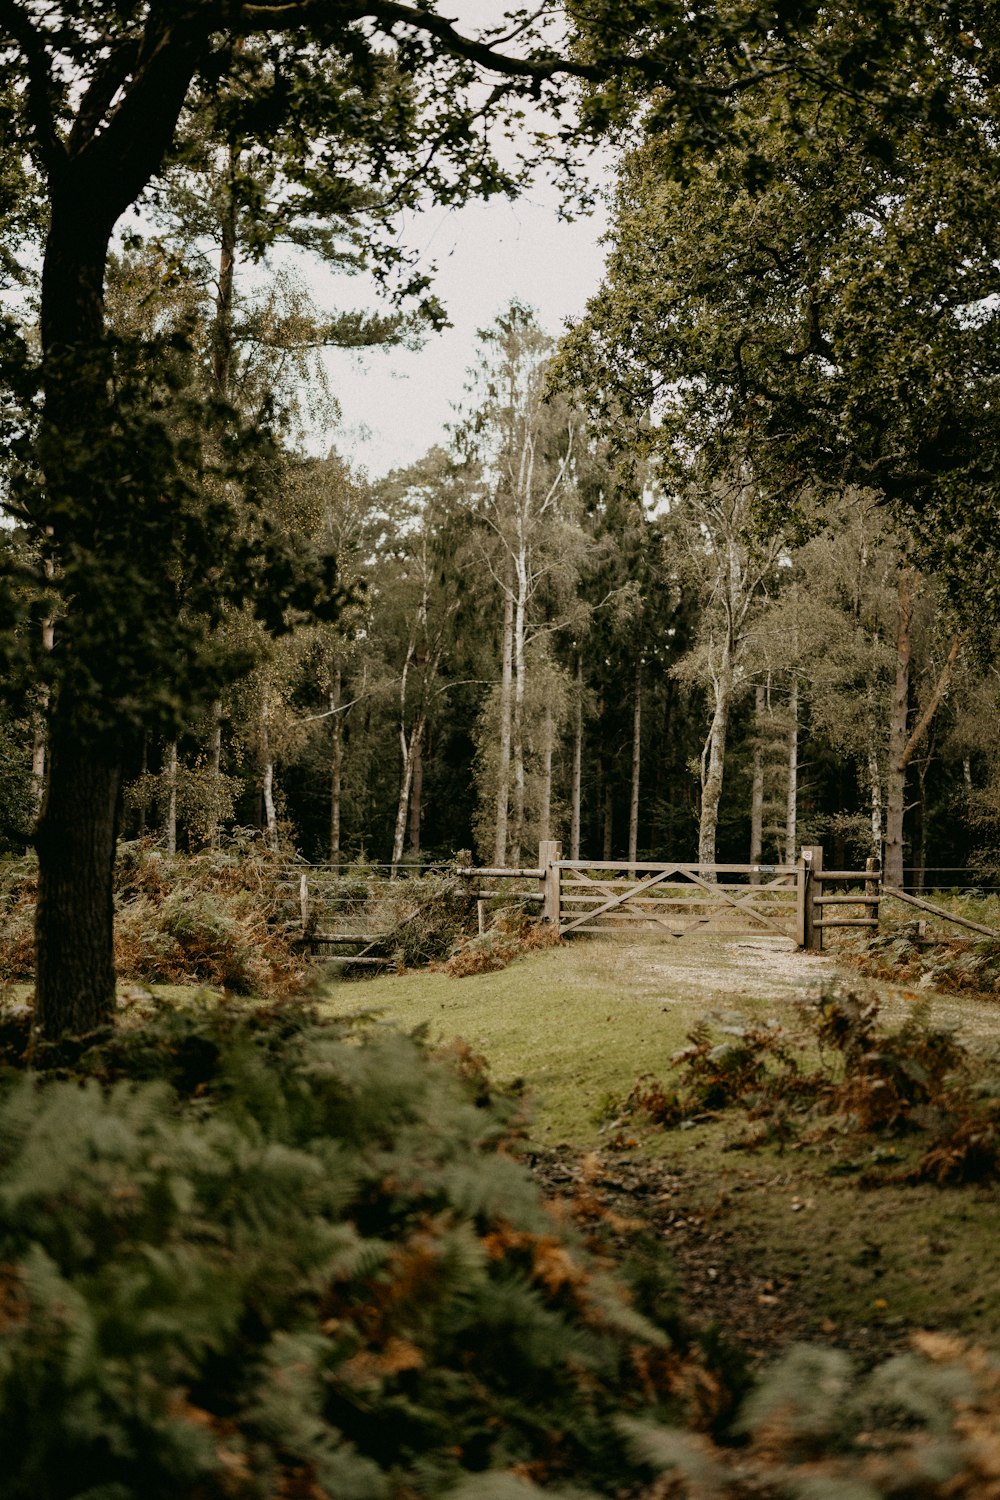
[{"x": 710, "y": 575}]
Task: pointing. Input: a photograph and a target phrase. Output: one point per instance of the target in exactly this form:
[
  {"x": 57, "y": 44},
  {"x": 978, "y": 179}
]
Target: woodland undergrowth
[{"x": 840, "y": 1075}]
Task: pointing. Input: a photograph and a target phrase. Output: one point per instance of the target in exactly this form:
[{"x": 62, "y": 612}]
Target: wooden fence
[{"x": 804, "y": 901}]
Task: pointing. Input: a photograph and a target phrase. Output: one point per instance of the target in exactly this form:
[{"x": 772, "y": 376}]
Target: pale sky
[{"x": 397, "y": 402}]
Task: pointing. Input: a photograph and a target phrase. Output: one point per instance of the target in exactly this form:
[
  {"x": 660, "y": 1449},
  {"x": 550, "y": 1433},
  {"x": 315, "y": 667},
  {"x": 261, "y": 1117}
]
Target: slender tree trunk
[
  {"x": 408, "y": 746},
  {"x": 577, "y": 777},
  {"x": 609, "y": 810},
  {"x": 506, "y": 704},
  {"x": 170, "y": 815},
  {"x": 517, "y": 746},
  {"x": 757, "y": 784},
  {"x": 141, "y": 811},
  {"x": 633, "y": 812},
  {"x": 38, "y": 757},
  {"x": 215, "y": 773},
  {"x": 920, "y": 862},
  {"x": 967, "y": 774},
  {"x": 875, "y": 792},
  {"x": 38, "y": 747},
  {"x": 895, "y": 790},
  {"x": 267, "y": 782},
  {"x": 416, "y": 799},
  {"x": 713, "y": 761},
  {"x": 792, "y": 799},
  {"x": 545, "y": 809},
  {"x": 336, "y": 765}
]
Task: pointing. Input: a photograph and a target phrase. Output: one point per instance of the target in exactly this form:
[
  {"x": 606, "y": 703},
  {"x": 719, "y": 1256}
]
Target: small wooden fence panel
[{"x": 611, "y": 896}]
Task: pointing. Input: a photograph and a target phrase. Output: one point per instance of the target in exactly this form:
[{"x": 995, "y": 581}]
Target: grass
[{"x": 578, "y": 1023}]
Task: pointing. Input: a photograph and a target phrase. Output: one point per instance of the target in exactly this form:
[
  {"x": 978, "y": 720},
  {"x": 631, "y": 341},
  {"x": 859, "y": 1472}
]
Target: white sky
[{"x": 397, "y": 402}]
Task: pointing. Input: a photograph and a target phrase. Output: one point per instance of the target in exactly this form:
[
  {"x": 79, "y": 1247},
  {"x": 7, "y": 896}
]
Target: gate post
[
  {"x": 872, "y": 891},
  {"x": 549, "y": 853},
  {"x": 808, "y": 935}
]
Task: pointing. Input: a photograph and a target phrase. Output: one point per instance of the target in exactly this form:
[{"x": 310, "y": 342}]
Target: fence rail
[{"x": 804, "y": 901}]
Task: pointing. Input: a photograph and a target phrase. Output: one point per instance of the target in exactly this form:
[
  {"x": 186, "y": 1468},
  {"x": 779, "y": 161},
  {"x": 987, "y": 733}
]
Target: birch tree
[
  {"x": 734, "y": 566},
  {"x": 524, "y": 448}
]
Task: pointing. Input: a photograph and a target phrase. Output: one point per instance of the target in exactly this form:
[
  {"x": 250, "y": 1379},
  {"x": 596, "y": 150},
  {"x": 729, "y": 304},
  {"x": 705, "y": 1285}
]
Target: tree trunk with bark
[
  {"x": 336, "y": 765},
  {"x": 170, "y": 806},
  {"x": 94, "y": 175},
  {"x": 416, "y": 800},
  {"x": 577, "y": 774},
  {"x": 545, "y": 806},
  {"x": 409, "y": 746},
  {"x": 633, "y": 814},
  {"x": 875, "y": 802},
  {"x": 757, "y": 783},
  {"x": 792, "y": 798},
  {"x": 77, "y": 831},
  {"x": 713, "y": 760},
  {"x": 609, "y": 811},
  {"x": 902, "y": 746},
  {"x": 506, "y": 703},
  {"x": 895, "y": 782}
]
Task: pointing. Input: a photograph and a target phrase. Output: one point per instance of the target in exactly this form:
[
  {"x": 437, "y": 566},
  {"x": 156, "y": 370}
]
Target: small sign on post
[{"x": 810, "y": 881}]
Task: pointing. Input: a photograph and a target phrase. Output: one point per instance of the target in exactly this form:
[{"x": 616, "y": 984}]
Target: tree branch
[{"x": 940, "y": 688}]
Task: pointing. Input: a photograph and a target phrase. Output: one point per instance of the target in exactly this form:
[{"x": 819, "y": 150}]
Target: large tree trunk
[
  {"x": 577, "y": 777},
  {"x": 633, "y": 812},
  {"x": 506, "y": 702},
  {"x": 88, "y": 742},
  {"x": 75, "y": 979}
]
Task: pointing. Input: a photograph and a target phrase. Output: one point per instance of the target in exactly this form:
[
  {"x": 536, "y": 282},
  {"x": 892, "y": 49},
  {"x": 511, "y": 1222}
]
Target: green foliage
[
  {"x": 922, "y": 1424},
  {"x": 249, "y": 1254},
  {"x": 917, "y": 1079},
  {"x": 902, "y": 954}
]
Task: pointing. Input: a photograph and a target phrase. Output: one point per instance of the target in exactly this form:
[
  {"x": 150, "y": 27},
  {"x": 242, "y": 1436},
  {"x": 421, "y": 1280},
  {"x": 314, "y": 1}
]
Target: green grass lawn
[{"x": 579, "y": 1022}]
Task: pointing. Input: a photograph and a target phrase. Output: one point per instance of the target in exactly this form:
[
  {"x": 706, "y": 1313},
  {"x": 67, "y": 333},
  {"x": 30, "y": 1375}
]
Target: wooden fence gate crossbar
[{"x": 690, "y": 874}]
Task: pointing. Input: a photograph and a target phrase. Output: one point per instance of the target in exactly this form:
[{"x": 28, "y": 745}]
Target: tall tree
[{"x": 115, "y": 502}]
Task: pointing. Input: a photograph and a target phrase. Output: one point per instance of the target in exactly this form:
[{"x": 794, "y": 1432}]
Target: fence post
[
  {"x": 802, "y": 880},
  {"x": 814, "y": 934},
  {"x": 549, "y": 853},
  {"x": 304, "y": 899},
  {"x": 871, "y": 890}
]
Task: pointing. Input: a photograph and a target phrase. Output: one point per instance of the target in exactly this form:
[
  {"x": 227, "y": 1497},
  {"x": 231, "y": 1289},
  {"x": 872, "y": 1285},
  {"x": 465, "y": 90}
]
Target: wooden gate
[{"x": 611, "y": 896}]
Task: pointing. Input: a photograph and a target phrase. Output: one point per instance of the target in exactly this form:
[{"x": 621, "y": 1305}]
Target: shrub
[
  {"x": 921, "y": 1426},
  {"x": 250, "y": 1254},
  {"x": 513, "y": 933}
]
